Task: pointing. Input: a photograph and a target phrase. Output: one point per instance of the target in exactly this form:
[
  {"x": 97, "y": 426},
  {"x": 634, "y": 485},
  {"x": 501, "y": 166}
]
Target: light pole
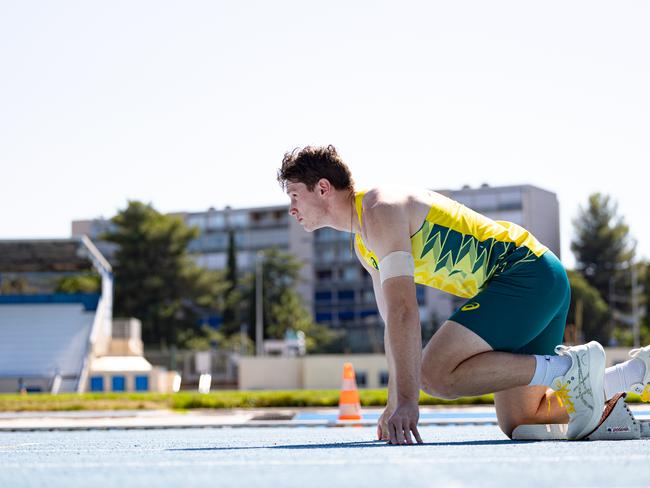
[
  {"x": 633, "y": 319},
  {"x": 259, "y": 306},
  {"x": 635, "y": 307}
]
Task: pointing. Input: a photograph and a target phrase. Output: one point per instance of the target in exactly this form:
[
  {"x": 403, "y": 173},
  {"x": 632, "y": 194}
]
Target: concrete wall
[
  {"x": 272, "y": 373},
  {"x": 542, "y": 217},
  {"x": 325, "y": 371},
  {"x": 308, "y": 372},
  {"x": 125, "y": 347}
]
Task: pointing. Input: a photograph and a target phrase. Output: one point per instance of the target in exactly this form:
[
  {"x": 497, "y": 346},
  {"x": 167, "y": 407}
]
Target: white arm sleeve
[{"x": 397, "y": 263}]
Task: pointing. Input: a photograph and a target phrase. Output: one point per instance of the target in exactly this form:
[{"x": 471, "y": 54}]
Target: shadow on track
[{"x": 352, "y": 445}]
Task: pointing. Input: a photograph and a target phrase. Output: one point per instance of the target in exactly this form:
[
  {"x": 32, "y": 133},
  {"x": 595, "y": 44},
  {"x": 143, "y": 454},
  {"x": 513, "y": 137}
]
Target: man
[{"x": 502, "y": 341}]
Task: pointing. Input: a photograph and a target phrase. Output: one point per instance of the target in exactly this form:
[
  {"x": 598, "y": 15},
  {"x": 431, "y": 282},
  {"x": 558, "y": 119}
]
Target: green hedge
[{"x": 217, "y": 399}]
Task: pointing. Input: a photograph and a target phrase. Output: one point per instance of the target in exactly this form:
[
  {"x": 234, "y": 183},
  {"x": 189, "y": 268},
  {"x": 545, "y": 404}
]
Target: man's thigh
[{"x": 452, "y": 344}]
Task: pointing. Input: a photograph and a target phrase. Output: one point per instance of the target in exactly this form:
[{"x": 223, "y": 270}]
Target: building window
[
  {"x": 510, "y": 200},
  {"x": 96, "y": 383},
  {"x": 346, "y": 316},
  {"x": 323, "y": 296},
  {"x": 485, "y": 202},
  {"x": 383, "y": 378},
  {"x": 324, "y": 275},
  {"x": 238, "y": 219},
  {"x": 141, "y": 383},
  {"x": 369, "y": 313},
  {"x": 281, "y": 215},
  {"x": 215, "y": 260},
  {"x": 345, "y": 253},
  {"x": 268, "y": 237},
  {"x": 213, "y": 241},
  {"x": 325, "y": 235},
  {"x": 362, "y": 379},
  {"x": 346, "y": 295},
  {"x": 118, "y": 383},
  {"x": 241, "y": 239},
  {"x": 323, "y": 317},
  {"x": 419, "y": 294},
  {"x": 216, "y": 221},
  {"x": 368, "y": 296},
  {"x": 350, "y": 274},
  {"x": 245, "y": 259},
  {"x": 326, "y": 255},
  {"x": 198, "y": 220}
]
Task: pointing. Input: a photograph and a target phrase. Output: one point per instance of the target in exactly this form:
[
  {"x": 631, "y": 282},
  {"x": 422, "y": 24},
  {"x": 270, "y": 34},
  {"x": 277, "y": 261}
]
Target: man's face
[{"x": 306, "y": 206}]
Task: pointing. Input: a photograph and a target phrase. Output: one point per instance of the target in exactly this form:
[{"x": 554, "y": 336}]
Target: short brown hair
[{"x": 310, "y": 164}]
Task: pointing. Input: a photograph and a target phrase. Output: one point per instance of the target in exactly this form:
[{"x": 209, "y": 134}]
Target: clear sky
[{"x": 188, "y": 105}]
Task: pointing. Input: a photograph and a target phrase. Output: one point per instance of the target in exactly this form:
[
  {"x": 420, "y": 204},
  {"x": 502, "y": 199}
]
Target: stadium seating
[{"x": 44, "y": 340}]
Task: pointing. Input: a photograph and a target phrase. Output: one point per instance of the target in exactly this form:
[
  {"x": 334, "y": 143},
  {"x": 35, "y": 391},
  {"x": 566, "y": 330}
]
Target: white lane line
[
  {"x": 24, "y": 444},
  {"x": 322, "y": 462}
]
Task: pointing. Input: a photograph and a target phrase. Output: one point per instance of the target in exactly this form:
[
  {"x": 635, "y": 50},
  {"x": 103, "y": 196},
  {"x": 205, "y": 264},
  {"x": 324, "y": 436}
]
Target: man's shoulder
[
  {"x": 379, "y": 206},
  {"x": 386, "y": 197},
  {"x": 385, "y": 217}
]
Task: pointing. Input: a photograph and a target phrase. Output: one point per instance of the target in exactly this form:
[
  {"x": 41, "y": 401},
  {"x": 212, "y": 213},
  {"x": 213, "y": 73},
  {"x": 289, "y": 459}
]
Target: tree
[
  {"x": 79, "y": 283},
  {"x": 604, "y": 254},
  {"x": 156, "y": 280},
  {"x": 644, "y": 279},
  {"x": 232, "y": 296},
  {"x": 602, "y": 245},
  {"x": 593, "y": 320},
  {"x": 282, "y": 305},
  {"x": 16, "y": 285}
]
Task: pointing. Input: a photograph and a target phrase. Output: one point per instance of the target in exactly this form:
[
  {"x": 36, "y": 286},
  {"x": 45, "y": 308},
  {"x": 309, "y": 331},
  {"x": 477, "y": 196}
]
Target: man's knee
[
  {"x": 507, "y": 428},
  {"x": 509, "y": 424},
  {"x": 438, "y": 384}
]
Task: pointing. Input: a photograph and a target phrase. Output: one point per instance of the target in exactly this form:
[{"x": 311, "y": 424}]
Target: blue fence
[{"x": 88, "y": 300}]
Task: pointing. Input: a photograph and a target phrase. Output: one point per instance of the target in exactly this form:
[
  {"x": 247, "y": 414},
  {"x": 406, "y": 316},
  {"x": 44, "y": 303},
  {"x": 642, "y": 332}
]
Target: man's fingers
[
  {"x": 400, "y": 433},
  {"x": 417, "y": 434},
  {"x": 392, "y": 431},
  {"x": 407, "y": 432}
]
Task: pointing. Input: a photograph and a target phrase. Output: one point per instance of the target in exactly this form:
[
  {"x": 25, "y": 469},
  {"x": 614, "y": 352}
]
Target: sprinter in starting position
[{"x": 503, "y": 340}]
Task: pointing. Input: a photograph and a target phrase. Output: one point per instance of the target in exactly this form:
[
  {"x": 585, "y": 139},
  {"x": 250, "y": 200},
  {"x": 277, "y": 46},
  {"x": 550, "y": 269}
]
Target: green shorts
[{"x": 523, "y": 309}]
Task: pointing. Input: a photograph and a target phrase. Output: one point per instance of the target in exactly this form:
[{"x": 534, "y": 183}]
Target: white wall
[{"x": 326, "y": 371}]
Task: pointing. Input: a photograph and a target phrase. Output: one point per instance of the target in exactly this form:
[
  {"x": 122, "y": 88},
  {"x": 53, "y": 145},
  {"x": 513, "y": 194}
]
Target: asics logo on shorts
[{"x": 470, "y": 306}]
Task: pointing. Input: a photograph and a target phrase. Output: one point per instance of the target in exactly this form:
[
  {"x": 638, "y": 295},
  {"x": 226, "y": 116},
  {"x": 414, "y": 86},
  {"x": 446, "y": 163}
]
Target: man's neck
[{"x": 345, "y": 213}]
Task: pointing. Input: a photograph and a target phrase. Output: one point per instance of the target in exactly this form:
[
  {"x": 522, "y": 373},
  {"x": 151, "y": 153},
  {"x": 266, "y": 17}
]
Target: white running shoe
[
  {"x": 642, "y": 388},
  {"x": 580, "y": 390}
]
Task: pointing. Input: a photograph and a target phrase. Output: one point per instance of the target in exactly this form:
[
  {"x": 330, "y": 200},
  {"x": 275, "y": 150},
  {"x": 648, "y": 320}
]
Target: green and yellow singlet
[{"x": 458, "y": 250}]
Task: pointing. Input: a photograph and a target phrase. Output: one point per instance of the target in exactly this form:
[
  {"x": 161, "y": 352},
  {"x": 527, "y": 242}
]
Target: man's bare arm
[
  {"x": 387, "y": 229},
  {"x": 381, "y": 306}
]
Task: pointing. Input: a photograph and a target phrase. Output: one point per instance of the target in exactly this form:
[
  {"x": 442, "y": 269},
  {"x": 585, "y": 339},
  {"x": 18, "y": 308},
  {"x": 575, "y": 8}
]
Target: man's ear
[{"x": 323, "y": 186}]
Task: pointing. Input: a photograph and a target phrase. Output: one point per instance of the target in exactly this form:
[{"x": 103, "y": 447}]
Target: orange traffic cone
[{"x": 349, "y": 405}]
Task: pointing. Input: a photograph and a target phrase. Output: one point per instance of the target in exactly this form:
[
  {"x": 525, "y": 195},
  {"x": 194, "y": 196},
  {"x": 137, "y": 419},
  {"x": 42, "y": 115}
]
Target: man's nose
[{"x": 292, "y": 211}]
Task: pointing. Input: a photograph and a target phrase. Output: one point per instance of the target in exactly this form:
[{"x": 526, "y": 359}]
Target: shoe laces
[
  {"x": 561, "y": 348},
  {"x": 635, "y": 352},
  {"x": 562, "y": 388},
  {"x": 645, "y": 394},
  {"x": 563, "y": 398}
]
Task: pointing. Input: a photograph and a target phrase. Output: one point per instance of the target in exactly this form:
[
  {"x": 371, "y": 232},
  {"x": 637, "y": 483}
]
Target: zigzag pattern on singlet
[{"x": 462, "y": 262}]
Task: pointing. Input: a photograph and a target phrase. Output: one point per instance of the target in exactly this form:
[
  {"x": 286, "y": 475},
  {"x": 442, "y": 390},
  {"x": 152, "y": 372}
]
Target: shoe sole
[{"x": 596, "y": 384}]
